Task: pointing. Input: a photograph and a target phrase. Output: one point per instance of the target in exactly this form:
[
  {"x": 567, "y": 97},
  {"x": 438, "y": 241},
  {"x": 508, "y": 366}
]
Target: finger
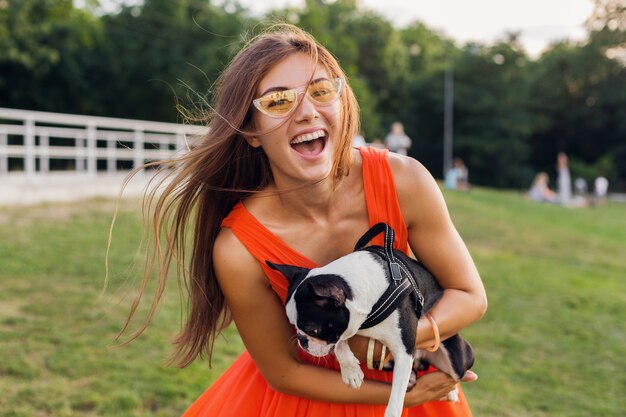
[{"x": 469, "y": 377}]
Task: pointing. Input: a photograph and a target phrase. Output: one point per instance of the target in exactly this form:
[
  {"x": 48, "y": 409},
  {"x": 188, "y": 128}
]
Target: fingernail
[{"x": 471, "y": 376}]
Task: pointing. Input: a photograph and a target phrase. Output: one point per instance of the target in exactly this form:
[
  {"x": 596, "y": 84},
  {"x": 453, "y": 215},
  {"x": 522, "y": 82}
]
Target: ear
[
  {"x": 291, "y": 272},
  {"x": 329, "y": 290},
  {"x": 253, "y": 141}
]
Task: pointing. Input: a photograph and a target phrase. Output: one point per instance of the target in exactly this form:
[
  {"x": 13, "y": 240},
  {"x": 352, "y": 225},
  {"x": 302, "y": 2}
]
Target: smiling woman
[
  {"x": 312, "y": 122},
  {"x": 276, "y": 179}
]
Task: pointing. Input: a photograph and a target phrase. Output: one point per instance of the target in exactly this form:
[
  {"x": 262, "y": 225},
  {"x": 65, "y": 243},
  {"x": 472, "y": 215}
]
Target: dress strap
[
  {"x": 264, "y": 245},
  {"x": 383, "y": 205}
]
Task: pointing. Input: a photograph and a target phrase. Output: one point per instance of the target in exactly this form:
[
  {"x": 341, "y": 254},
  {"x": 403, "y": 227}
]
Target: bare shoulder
[
  {"x": 409, "y": 172},
  {"x": 234, "y": 265},
  {"x": 419, "y": 194}
]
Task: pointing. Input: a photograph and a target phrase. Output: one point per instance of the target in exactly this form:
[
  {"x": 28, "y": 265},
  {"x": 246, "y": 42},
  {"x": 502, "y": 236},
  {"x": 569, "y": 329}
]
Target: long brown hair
[{"x": 201, "y": 187}]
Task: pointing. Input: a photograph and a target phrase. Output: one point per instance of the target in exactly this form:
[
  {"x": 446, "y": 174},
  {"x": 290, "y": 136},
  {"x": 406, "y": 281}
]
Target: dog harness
[{"x": 403, "y": 283}]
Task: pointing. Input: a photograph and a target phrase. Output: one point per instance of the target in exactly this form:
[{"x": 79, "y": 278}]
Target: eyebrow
[{"x": 280, "y": 88}]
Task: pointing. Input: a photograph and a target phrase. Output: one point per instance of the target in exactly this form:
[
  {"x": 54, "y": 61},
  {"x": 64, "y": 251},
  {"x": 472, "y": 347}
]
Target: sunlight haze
[{"x": 539, "y": 22}]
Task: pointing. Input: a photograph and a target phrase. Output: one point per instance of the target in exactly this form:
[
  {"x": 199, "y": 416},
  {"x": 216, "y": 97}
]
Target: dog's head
[{"x": 316, "y": 305}]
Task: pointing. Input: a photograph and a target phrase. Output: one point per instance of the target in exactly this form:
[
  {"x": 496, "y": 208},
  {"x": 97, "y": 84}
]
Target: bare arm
[
  {"x": 268, "y": 336},
  {"x": 435, "y": 242}
]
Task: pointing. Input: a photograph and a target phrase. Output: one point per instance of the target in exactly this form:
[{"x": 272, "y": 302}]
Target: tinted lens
[
  {"x": 280, "y": 102},
  {"x": 325, "y": 91}
]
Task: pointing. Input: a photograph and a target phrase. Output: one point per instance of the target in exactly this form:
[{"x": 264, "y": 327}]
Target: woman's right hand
[{"x": 433, "y": 386}]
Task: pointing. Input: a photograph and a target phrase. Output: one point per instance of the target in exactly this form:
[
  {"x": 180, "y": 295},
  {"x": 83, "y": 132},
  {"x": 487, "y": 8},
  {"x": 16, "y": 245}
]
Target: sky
[{"x": 539, "y": 22}]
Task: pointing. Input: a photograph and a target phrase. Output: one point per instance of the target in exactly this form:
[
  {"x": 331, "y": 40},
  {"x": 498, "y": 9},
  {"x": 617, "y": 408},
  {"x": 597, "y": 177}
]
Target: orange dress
[{"x": 241, "y": 391}]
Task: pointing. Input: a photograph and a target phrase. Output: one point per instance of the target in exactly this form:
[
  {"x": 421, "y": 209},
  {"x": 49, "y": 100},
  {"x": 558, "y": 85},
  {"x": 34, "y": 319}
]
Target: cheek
[
  {"x": 263, "y": 123},
  {"x": 333, "y": 114},
  {"x": 271, "y": 132}
]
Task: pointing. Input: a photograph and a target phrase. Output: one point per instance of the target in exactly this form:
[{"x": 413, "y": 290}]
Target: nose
[
  {"x": 303, "y": 341},
  {"x": 306, "y": 110}
]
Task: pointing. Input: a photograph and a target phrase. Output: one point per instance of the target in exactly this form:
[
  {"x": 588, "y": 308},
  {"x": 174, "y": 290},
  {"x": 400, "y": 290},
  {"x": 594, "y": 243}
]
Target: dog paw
[
  {"x": 352, "y": 375},
  {"x": 453, "y": 396}
]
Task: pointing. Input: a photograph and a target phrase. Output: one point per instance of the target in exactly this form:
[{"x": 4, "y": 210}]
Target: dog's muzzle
[
  {"x": 303, "y": 341},
  {"x": 313, "y": 346}
]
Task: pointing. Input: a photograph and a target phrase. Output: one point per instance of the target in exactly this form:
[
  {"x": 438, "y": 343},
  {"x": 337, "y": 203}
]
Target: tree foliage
[
  {"x": 512, "y": 114},
  {"x": 45, "y": 47}
]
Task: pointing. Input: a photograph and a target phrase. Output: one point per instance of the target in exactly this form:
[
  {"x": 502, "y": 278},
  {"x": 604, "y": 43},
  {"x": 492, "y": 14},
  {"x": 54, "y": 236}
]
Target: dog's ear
[
  {"x": 291, "y": 272},
  {"x": 329, "y": 290}
]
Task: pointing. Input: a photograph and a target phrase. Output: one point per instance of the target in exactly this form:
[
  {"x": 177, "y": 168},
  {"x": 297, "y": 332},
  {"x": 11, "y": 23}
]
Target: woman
[
  {"x": 276, "y": 179},
  {"x": 540, "y": 191}
]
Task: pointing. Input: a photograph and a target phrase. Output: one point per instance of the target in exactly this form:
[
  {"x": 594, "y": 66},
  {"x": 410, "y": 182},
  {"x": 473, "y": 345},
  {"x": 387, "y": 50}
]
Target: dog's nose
[{"x": 304, "y": 342}]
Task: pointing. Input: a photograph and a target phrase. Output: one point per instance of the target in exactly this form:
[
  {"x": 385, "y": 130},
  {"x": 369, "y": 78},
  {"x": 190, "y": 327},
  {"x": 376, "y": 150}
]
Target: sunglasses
[{"x": 282, "y": 103}]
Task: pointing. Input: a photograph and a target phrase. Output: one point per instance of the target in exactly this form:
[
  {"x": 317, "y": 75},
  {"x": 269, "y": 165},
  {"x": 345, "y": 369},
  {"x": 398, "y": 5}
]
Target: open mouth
[{"x": 310, "y": 144}]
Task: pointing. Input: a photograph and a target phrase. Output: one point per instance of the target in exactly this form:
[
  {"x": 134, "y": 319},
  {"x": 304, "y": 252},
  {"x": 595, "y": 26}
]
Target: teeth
[{"x": 308, "y": 137}]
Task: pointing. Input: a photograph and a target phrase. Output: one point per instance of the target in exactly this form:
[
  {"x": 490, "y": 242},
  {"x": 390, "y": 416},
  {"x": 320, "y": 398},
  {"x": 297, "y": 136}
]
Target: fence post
[
  {"x": 4, "y": 155},
  {"x": 91, "y": 149},
  {"x": 79, "y": 145},
  {"x": 111, "y": 147},
  {"x": 29, "y": 145},
  {"x": 180, "y": 142},
  {"x": 44, "y": 154},
  {"x": 138, "y": 147},
  {"x": 164, "y": 148}
]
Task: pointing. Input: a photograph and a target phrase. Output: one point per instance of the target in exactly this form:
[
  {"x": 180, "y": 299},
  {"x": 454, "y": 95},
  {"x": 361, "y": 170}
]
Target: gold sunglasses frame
[{"x": 340, "y": 82}]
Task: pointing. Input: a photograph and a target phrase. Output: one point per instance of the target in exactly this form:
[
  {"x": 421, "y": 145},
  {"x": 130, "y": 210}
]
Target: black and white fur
[{"x": 329, "y": 304}]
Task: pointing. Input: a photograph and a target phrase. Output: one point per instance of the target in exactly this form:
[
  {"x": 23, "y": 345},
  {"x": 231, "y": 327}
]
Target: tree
[
  {"x": 421, "y": 95},
  {"x": 45, "y": 44},
  {"x": 491, "y": 114},
  {"x": 579, "y": 97},
  {"x": 608, "y": 14},
  {"x": 511, "y": 114},
  {"x": 165, "y": 52}
]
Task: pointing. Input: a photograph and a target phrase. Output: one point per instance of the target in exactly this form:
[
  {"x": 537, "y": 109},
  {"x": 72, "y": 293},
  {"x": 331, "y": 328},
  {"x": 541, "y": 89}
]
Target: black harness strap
[{"x": 403, "y": 282}]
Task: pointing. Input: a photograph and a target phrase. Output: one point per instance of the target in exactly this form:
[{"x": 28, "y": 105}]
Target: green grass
[
  {"x": 56, "y": 332},
  {"x": 553, "y": 342}
]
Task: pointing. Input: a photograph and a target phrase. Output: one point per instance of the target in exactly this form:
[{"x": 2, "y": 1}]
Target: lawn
[{"x": 553, "y": 342}]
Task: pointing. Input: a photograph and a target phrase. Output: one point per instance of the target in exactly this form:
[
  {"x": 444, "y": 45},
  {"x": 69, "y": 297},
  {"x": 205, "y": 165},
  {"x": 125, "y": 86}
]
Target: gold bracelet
[
  {"x": 433, "y": 323},
  {"x": 370, "y": 353},
  {"x": 382, "y": 358}
]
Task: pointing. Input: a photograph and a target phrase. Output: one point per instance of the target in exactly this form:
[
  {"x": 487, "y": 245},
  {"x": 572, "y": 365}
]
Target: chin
[
  {"x": 318, "y": 349},
  {"x": 313, "y": 174}
]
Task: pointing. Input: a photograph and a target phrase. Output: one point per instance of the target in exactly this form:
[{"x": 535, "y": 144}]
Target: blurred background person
[
  {"x": 600, "y": 189},
  {"x": 564, "y": 179},
  {"x": 457, "y": 177},
  {"x": 540, "y": 190},
  {"x": 397, "y": 141},
  {"x": 580, "y": 187}
]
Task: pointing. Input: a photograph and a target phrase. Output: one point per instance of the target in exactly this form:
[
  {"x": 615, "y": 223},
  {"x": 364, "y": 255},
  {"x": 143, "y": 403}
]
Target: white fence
[{"x": 50, "y": 156}]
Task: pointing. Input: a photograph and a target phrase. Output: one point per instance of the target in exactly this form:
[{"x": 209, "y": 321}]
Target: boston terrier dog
[{"x": 377, "y": 292}]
